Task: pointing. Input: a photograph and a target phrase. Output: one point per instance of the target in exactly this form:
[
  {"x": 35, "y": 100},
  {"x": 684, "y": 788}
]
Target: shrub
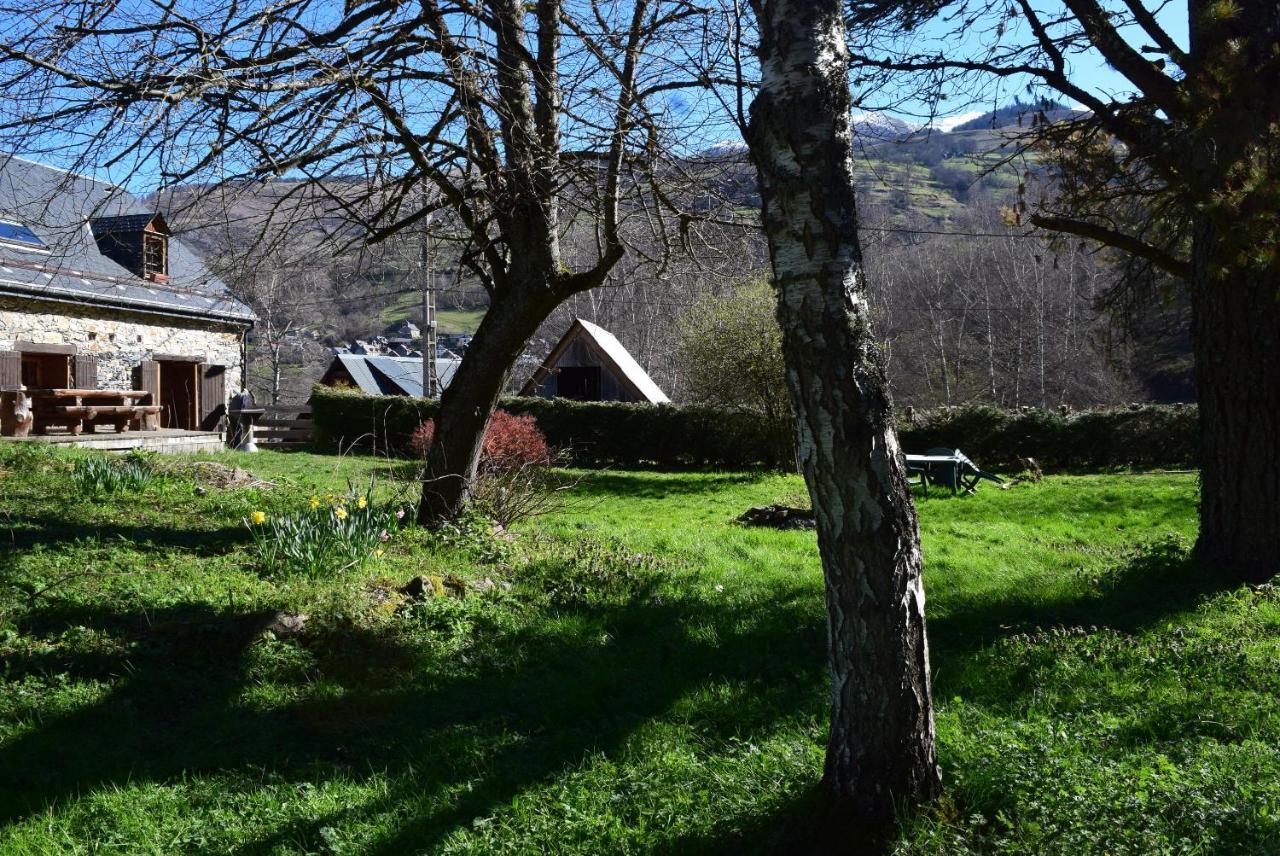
[
  {"x": 668, "y": 436},
  {"x": 590, "y": 434},
  {"x": 510, "y": 442},
  {"x": 730, "y": 355},
  {"x": 515, "y": 480},
  {"x": 330, "y": 535},
  {"x": 1140, "y": 436}
]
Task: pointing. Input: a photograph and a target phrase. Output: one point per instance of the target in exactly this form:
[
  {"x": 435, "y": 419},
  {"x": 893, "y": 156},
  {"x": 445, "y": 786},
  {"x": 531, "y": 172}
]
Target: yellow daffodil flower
[
  {"x": 257, "y": 518},
  {"x": 378, "y": 553},
  {"x": 361, "y": 502},
  {"x": 315, "y": 503},
  {"x": 340, "y": 513}
]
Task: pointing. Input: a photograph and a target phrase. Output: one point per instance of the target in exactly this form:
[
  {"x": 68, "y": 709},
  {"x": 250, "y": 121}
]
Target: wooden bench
[
  {"x": 122, "y": 416},
  {"x": 76, "y": 409}
]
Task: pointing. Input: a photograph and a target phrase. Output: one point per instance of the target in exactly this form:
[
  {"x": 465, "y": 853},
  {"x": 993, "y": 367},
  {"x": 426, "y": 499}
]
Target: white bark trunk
[{"x": 881, "y": 746}]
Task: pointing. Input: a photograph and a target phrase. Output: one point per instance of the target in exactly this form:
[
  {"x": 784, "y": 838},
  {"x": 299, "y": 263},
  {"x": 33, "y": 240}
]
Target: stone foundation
[{"x": 121, "y": 339}]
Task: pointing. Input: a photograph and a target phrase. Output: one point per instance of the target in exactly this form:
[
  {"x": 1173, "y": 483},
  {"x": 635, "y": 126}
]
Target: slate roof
[
  {"x": 58, "y": 207},
  {"x": 376, "y": 375},
  {"x": 122, "y": 224}
]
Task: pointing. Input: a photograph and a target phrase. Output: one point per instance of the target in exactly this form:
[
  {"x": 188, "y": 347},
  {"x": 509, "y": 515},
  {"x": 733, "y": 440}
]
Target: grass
[
  {"x": 637, "y": 675},
  {"x": 447, "y": 320}
]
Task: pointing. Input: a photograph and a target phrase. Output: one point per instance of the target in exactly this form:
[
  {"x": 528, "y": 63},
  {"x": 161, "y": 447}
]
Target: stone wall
[{"x": 121, "y": 340}]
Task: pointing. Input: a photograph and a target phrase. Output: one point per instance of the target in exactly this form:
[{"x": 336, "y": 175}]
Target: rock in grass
[
  {"x": 286, "y": 624},
  {"x": 778, "y": 517},
  {"x": 419, "y": 588}
]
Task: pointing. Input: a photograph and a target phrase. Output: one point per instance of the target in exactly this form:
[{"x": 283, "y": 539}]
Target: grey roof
[
  {"x": 58, "y": 207},
  {"x": 123, "y": 223},
  {"x": 394, "y": 375}
]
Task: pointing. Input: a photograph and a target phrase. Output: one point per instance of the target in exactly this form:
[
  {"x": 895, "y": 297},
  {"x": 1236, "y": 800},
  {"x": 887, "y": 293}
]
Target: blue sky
[
  {"x": 1087, "y": 68},
  {"x": 708, "y": 125}
]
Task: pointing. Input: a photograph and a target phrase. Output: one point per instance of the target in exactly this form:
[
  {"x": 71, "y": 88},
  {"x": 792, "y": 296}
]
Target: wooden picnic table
[{"x": 76, "y": 409}]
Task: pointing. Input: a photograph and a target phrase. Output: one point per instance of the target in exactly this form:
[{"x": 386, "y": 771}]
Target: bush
[
  {"x": 514, "y": 480},
  {"x": 589, "y": 434},
  {"x": 1143, "y": 437},
  {"x": 510, "y": 442},
  {"x": 730, "y": 355},
  {"x": 595, "y": 434}
]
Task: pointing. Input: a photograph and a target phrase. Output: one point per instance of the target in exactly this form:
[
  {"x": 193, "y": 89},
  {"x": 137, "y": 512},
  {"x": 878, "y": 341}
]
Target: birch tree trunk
[{"x": 881, "y": 747}]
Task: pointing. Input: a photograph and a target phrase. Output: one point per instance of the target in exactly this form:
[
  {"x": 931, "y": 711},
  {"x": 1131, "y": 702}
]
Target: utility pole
[{"x": 430, "y": 379}]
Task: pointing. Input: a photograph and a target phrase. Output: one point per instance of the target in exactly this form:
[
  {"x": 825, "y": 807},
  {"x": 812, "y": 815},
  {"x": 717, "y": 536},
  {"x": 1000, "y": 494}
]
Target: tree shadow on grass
[
  {"x": 1141, "y": 589},
  {"x": 805, "y": 825},
  {"x": 455, "y": 741},
  {"x": 659, "y": 485},
  {"x": 49, "y": 530}
]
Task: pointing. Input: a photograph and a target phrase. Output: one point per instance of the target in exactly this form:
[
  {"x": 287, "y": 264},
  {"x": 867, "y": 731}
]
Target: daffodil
[
  {"x": 257, "y": 518},
  {"x": 362, "y": 502},
  {"x": 315, "y": 503},
  {"x": 340, "y": 513},
  {"x": 378, "y": 553},
  {"x": 328, "y": 497}
]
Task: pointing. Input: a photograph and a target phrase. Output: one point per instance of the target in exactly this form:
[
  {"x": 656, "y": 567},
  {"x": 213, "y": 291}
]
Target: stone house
[{"x": 96, "y": 293}]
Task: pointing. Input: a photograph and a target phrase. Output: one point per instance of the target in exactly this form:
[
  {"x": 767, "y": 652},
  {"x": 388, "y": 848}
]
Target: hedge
[
  {"x": 591, "y": 433},
  {"x": 1142, "y": 437},
  {"x": 630, "y": 435}
]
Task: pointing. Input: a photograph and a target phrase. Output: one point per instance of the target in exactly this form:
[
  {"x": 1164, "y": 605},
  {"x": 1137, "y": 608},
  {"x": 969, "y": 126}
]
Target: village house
[
  {"x": 97, "y": 294},
  {"x": 374, "y": 374},
  {"x": 590, "y": 364}
]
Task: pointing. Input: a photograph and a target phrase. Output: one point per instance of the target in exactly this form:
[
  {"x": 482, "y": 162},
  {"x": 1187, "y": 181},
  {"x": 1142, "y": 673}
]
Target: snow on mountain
[
  {"x": 946, "y": 123},
  {"x": 724, "y": 148},
  {"x": 880, "y": 126}
]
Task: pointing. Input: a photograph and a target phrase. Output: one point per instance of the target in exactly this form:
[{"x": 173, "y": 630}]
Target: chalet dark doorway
[
  {"x": 581, "y": 383},
  {"x": 179, "y": 386}
]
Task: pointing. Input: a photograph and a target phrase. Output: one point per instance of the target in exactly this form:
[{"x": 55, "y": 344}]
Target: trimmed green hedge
[
  {"x": 592, "y": 433},
  {"x": 629, "y": 435},
  {"x": 1144, "y": 437}
]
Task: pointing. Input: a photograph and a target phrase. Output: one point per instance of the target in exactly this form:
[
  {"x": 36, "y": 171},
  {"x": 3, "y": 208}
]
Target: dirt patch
[
  {"x": 211, "y": 474},
  {"x": 778, "y": 517}
]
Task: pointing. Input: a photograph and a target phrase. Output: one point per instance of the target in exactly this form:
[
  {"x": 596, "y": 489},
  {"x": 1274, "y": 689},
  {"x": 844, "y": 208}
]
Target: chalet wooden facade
[
  {"x": 96, "y": 294},
  {"x": 590, "y": 364}
]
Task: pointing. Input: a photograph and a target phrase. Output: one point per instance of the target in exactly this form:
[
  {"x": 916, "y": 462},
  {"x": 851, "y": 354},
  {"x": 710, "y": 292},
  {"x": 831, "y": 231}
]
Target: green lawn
[
  {"x": 641, "y": 676},
  {"x": 447, "y": 320}
]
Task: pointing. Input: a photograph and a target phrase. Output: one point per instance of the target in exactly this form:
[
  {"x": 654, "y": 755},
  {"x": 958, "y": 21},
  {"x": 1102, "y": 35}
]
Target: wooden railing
[{"x": 284, "y": 426}]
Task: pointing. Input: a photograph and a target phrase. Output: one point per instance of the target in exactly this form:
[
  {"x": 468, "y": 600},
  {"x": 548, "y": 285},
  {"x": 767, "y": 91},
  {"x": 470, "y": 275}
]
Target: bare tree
[{"x": 881, "y": 747}]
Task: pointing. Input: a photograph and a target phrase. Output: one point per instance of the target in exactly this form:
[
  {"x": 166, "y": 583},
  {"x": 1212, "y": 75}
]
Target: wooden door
[
  {"x": 213, "y": 396},
  {"x": 146, "y": 376},
  {"x": 10, "y": 370}
]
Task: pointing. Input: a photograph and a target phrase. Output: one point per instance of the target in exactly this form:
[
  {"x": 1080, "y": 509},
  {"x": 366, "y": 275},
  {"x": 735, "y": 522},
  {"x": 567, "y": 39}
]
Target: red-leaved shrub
[{"x": 510, "y": 442}]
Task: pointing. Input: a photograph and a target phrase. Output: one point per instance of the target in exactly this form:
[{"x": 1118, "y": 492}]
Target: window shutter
[
  {"x": 10, "y": 370},
  {"x": 213, "y": 396},
  {"x": 146, "y": 376},
  {"x": 84, "y": 371}
]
